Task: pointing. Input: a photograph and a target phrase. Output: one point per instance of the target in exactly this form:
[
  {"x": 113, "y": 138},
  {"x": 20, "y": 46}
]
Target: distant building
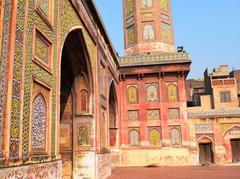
[{"x": 215, "y": 124}]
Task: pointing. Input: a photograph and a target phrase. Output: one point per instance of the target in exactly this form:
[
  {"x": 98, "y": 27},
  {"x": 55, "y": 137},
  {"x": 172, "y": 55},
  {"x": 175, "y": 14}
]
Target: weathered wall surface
[
  {"x": 105, "y": 164},
  {"x": 51, "y": 170},
  {"x": 162, "y": 157}
]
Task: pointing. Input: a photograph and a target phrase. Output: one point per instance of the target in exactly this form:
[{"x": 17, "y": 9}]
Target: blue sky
[{"x": 209, "y": 30}]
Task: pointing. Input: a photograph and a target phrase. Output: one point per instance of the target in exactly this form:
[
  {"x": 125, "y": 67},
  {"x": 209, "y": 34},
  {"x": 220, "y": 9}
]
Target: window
[
  {"x": 39, "y": 124},
  {"x": 146, "y": 3},
  {"x": 172, "y": 92},
  {"x": 225, "y": 96},
  {"x": 134, "y": 137},
  {"x": 154, "y": 137},
  {"x": 148, "y": 32}
]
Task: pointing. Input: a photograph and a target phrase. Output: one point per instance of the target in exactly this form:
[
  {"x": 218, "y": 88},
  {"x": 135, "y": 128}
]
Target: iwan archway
[{"x": 76, "y": 96}]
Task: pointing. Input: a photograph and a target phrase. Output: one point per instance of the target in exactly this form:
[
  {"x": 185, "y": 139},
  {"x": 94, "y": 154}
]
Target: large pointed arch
[{"x": 75, "y": 77}]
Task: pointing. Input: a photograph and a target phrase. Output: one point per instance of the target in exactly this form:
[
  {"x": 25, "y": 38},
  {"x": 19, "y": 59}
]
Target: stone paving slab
[{"x": 206, "y": 172}]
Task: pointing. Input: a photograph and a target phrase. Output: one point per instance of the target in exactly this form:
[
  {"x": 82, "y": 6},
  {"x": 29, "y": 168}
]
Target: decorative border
[
  {"x": 214, "y": 113},
  {"x": 7, "y": 19},
  {"x": 15, "y": 122}
]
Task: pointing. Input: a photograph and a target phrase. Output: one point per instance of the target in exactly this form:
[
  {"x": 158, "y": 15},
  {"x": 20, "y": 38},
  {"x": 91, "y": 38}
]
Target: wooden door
[
  {"x": 235, "y": 144},
  {"x": 205, "y": 153}
]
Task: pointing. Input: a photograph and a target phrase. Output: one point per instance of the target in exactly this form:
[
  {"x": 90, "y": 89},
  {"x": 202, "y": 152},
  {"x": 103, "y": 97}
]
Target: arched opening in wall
[
  {"x": 75, "y": 102},
  {"x": 232, "y": 144},
  {"x": 205, "y": 151},
  {"x": 113, "y": 130}
]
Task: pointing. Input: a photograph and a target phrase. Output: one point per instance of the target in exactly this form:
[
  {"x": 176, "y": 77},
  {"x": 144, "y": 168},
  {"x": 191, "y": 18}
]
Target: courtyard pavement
[{"x": 206, "y": 172}]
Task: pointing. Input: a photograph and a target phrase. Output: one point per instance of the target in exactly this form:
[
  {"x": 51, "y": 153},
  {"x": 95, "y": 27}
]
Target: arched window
[
  {"x": 134, "y": 137},
  {"x": 175, "y": 137},
  {"x": 154, "y": 137},
  {"x": 132, "y": 95},
  {"x": 84, "y": 100},
  {"x": 148, "y": 32},
  {"x": 39, "y": 115},
  {"x": 129, "y": 6},
  {"x": 152, "y": 93},
  {"x": 172, "y": 92},
  {"x": 146, "y": 3}
]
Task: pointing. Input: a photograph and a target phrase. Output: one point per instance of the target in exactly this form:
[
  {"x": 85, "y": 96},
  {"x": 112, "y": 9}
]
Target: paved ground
[{"x": 210, "y": 172}]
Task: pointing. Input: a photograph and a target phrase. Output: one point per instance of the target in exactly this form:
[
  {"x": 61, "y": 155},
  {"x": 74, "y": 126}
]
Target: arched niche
[{"x": 113, "y": 123}]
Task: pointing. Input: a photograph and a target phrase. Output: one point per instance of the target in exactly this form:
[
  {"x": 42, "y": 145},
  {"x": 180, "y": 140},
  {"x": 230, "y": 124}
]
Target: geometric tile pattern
[
  {"x": 203, "y": 127},
  {"x": 4, "y": 67},
  {"x": 213, "y": 113},
  {"x": 17, "y": 81},
  {"x": 153, "y": 114}
]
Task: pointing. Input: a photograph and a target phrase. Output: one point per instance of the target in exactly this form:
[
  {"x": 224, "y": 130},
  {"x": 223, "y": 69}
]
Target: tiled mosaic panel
[
  {"x": 146, "y": 3},
  {"x": 4, "y": 67},
  {"x": 203, "y": 127},
  {"x": 175, "y": 134},
  {"x": 42, "y": 48},
  {"x": 132, "y": 93},
  {"x": 148, "y": 32},
  {"x": 152, "y": 92},
  {"x": 129, "y": 6},
  {"x": 172, "y": 92},
  {"x": 39, "y": 123},
  {"x": 84, "y": 134},
  {"x": 133, "y": 115},
  {"x": 173, "y": 113},
  {"x": 131, "y": 35},
  {"x": 43, "y": 5},
  {"x": 166, "y": 32},
  {"x": 164, "y": 5},
  {"x": 153, "y": 114},
  {"x": 154, "y": 136},
  {"x": 134, "y": 137},
  {"x": 31, "y": 69}
]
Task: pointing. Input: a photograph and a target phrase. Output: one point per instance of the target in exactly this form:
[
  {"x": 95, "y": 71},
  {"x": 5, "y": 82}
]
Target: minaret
[{"x": 147, "y": 27}]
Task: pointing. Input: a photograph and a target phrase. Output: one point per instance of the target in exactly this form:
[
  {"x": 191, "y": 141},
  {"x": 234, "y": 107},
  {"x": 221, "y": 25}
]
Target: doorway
[
  {"x": 235, "y": 144},
  {"x": 205, "y": 153}
]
